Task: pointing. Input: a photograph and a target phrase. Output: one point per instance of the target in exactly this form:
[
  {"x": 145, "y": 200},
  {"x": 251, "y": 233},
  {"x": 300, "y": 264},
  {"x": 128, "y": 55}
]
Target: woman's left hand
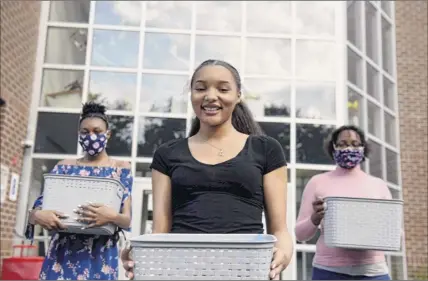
[
  {"x": 279, "y": 263},
  {"x": 95, "y": 214}
]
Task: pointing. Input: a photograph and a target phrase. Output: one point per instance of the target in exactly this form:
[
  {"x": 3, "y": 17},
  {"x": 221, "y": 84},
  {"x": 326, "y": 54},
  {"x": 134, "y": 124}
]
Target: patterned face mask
[
  {"x": 93, "y": 144},
  {"x": 348, "y": 158}
]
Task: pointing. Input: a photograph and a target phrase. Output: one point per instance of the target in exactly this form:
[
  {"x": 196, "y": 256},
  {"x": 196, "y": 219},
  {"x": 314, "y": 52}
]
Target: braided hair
[{"x": 242, "y": 119}]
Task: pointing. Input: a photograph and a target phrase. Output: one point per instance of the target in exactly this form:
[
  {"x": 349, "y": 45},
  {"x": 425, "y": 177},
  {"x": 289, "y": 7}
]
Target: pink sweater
[{"x": 342, "y": 183}]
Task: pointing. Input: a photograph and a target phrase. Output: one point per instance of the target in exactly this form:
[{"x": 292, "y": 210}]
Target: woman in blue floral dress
[{"x": 78, "y": 256}]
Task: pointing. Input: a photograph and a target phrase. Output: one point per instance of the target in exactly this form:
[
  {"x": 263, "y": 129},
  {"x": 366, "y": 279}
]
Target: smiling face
[{"x": 215, "y": 94}]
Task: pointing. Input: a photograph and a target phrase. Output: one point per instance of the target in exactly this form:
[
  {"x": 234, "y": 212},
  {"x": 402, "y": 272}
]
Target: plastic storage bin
[
  {"x": 366, "y": 224},
  {"x": 64, "y": 193},
  {"x": 202, "y": 256},
  {"x": 22, "y": 266}
]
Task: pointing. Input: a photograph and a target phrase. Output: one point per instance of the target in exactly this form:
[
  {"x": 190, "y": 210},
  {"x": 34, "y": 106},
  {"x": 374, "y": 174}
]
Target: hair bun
[{"x": 93, "y": 108}]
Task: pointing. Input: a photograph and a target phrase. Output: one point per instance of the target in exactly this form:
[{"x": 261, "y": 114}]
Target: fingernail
[{"x": 83, "y": 228}]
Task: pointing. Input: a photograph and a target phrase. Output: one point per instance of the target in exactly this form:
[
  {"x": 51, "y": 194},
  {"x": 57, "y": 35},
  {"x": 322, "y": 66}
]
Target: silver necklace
[{"x": 220, "y": 151}]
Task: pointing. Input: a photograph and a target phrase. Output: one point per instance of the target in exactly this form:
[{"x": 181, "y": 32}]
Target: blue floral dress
[{"x": 78, "y": 256}]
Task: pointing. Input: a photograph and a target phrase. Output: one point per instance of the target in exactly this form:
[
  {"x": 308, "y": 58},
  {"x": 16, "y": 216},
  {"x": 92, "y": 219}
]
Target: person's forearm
[
  {"x": 32, "y": 216},
  {"x": 305, "y": 229},
  {"x": 285, "y": 243},
  {"x": 122, "y": 221}
]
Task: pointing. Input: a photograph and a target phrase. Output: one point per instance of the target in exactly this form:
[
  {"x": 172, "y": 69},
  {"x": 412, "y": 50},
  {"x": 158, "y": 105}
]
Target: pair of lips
[{"x": 211, "y": 108}]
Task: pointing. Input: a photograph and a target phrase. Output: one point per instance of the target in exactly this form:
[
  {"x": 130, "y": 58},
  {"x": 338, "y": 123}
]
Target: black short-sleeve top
[{"x": 222, "y": 198}]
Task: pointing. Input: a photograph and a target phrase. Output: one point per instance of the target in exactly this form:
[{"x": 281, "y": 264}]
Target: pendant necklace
[{"x": 220, "y": 151}]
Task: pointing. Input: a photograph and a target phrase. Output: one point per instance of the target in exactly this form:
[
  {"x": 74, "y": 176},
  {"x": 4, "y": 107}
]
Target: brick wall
[
  {"x": 411, "y": 35},
  {"x": 19, "y": 34}
]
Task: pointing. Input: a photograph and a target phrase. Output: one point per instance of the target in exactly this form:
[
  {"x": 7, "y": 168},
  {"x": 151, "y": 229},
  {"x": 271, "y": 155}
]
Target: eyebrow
[{"x": 220, "y": 82}]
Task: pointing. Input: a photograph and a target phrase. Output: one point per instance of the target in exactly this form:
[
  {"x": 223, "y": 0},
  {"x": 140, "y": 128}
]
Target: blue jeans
[{"x": 321, "y": 274}]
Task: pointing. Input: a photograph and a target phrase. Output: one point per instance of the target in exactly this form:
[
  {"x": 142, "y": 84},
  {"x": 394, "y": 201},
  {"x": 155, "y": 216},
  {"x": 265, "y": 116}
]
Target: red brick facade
[
  {"x": 411, "y": 36},
  {"x": 19, "y": 35}
]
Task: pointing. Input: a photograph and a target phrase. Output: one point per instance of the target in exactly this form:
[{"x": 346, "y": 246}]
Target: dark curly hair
[
  {"x": 335, "y": 135},
  {"x": 92, "y": 109},
  {"x": 242, "y": 119}
]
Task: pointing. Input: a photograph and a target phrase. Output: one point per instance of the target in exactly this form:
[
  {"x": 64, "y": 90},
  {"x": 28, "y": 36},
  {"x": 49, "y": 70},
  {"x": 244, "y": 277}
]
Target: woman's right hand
[
  {"x": 49, "y": 220},
  {"x": 319, "y": 211},
  {"x": 127, "y": 262}
]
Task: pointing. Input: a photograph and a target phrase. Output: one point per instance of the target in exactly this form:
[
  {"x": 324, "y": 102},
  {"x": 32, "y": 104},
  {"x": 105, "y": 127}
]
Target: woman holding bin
[
  {"x": 348, "y": 148},
  {"x": 222, "y": 177},
  {"x": 80, "y": 256}
]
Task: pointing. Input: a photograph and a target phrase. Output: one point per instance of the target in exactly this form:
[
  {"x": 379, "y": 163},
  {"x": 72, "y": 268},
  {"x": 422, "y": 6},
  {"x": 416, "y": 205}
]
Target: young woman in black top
[{"x": 222, "y": 177}]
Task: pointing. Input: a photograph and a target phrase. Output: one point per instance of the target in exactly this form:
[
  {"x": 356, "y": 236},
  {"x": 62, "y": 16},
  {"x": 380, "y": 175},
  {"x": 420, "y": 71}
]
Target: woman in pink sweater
[{"x": 348, "y": 148}]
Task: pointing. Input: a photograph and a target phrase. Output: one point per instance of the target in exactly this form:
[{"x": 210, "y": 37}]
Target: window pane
[
  {"x": 315, "y": 60},
  {"x": 310, "y": 143},
  {"x": 395, "y": 194},
  {"x": 302, "y": 178},
  {"x": 355, "y": 109},
  {"x": 222, "y": 16},
  {"x": 304, "y": 265},
  {"x": 355, "y": 69},
  {"x": 164, "y": 93},
  {"x": 56, "y": 133},
  {"x": 397, "y": 264},
  {"x": 373, "y": 82},
  {"x": 315, "y": 18},
  {"x": 388, "y": 59},
  {"x": 354, "y": 23},
  {"x": 268, "y": 97},
  {"x": 154, "y": 132},
  {"x": 115, "y": 48},
  {"x": 118, "y": 12},
  {"x": 66, "y": 45},
  {"x": 166, "y": 51},
  {"x": 143, "y": 170},
  {"x": 375, "y": 159},
  {"x": 390, "y": 129},
  {"x": 280, "y": 132},
  {"x": 372, "y": 36},
  {"x": 389, "y": 95},
  {"x": 169, "y": 14},
  {"x": 69, "y": 11},
  {"x": 316, "y": 101},
  {"x": 62, "y": 88},
  {"x": 269, "y": 17},
  {"x": 392, "y": 166},
  {"x": 115, "y": 90},
  {"x": 268, "y": 57},
  {"x": 218, "y": 47},
  {"x": 374, "y": 122},
  {"x": 120, "y": 142}
]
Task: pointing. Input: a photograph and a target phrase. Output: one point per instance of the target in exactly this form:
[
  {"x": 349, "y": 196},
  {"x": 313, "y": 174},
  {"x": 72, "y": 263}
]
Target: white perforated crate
[
  {"x": 367, "y": 224},
  {"x": 202, "y": 256},
  {"x": 64, "y": 193}
]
